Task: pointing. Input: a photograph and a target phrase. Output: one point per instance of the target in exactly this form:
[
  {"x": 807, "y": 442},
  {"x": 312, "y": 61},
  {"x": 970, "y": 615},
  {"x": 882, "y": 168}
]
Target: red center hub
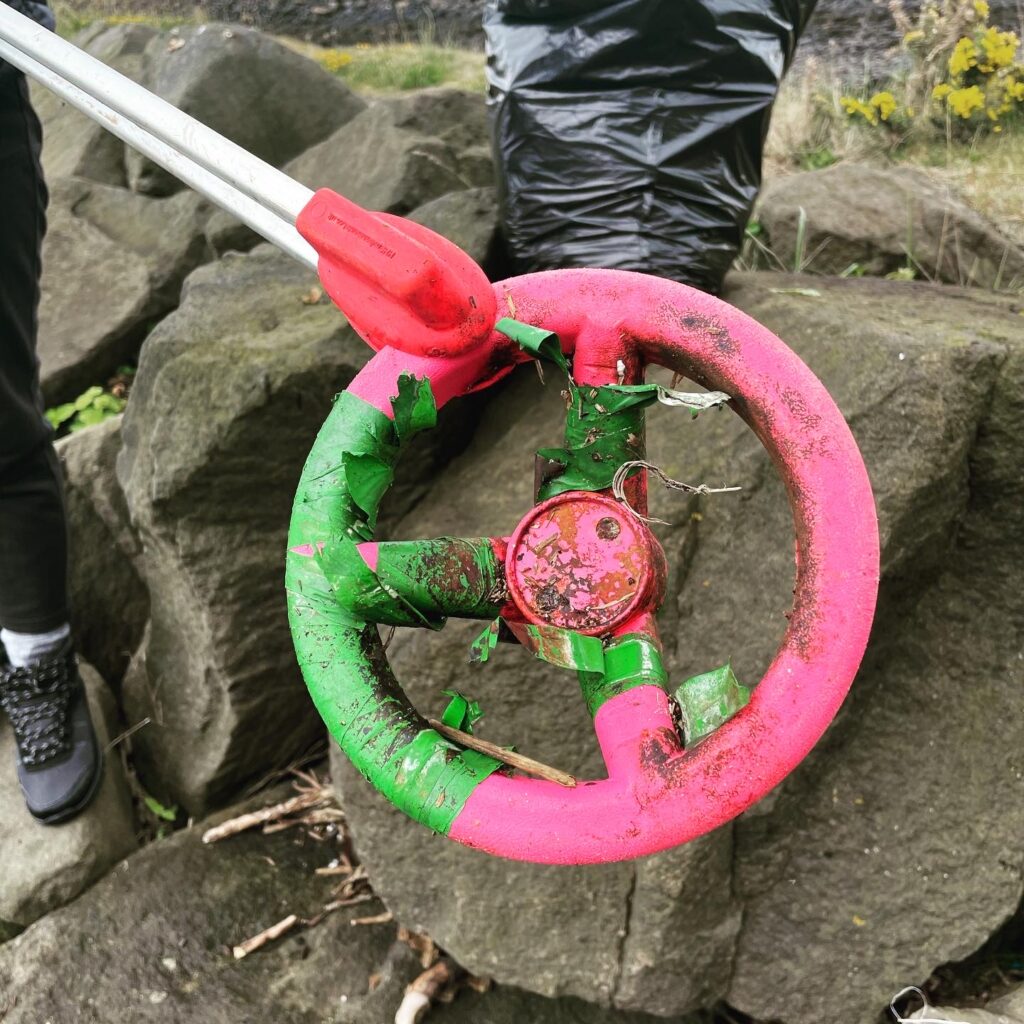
[{"x": 582, "y": 561}]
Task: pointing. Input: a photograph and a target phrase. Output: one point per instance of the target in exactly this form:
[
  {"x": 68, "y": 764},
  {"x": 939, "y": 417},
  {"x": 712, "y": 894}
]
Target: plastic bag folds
[{"x": 629, "y": 133}]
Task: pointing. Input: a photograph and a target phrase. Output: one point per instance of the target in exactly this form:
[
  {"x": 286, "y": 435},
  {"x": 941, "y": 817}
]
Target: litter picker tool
[{"x": 400, "y": 284}]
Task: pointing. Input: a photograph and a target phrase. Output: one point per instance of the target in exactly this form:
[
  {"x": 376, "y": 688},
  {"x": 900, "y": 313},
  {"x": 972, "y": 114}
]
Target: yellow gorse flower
[
  {"x": 981, "y": 9},
  {"x": 884, "y": 103},
  {"x": 1000, "y": 49},
  {"x": 854, "y": 106},
  {"x": 941, "y": 91},
  {"x": 963, "y": 102},
  {"x": 964, "y": 56},
  {"x": 335, "y": 60}
]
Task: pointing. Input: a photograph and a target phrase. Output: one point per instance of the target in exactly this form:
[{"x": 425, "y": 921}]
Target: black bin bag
[{"x": 628, "y": 133}]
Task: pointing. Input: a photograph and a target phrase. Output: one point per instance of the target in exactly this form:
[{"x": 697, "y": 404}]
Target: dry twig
[
  {"x": 318, "y": 816},
  {"x": 375, "y": 919},
  {"x": 422, "y": 991},
  {"x": 421, "y": 944},
  {"x": 306, "y": 799},
  {"x": 265, "y": 936},
  {"x": 509, "y": 757}
]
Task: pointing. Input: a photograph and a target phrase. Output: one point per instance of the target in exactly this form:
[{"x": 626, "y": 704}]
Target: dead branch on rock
[
  {"x": 509, "y": 757},
  {"x": 306, "y": 799},
  {"x": 439, "y": 983},
  {"x": 126, "y": 734},
  {"x": 422, "y": 991},
  {"x": 421, "y": 944},
  {"x": 318, "y": 816},
  {"x": 267, "y": 935},
  {"x": 383, "y": 918}
]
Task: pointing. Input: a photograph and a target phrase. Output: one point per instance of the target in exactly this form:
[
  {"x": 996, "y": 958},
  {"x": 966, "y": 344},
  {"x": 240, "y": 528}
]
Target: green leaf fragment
[
  {"x": 709, "y": 700},
  {"x": 157, "y": 808}
]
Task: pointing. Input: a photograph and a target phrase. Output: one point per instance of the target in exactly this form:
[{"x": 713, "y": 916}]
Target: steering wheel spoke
[{"x": 425, "y": 582}]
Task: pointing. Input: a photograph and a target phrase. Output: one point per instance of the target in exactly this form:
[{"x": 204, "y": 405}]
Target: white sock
[{"x": 26, "y": 648}]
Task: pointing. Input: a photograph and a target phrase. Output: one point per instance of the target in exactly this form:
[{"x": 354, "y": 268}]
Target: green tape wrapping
[
  {"x": 341, "y": 656},
  {"x": 604, "y": 426},
  {"x": 565, "y": 648},
  {"x": 629, "y": 661},
  {"x": 480, "y": 649},
  {"x": 445, "y": 576},
  {"x": 706, "y": 702},
  {"x": 461, "y": 712}
]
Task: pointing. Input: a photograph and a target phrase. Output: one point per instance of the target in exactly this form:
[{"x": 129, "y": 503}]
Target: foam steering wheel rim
[{"x": 656, "y": 795}]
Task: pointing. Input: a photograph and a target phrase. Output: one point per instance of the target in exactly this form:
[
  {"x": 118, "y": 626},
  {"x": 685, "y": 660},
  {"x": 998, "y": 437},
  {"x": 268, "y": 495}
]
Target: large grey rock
[
  {"x": 399, "y": 154},
  {"x": 109, "y": 601},
  {"x": 132, "y": 251},
  {"x": 956, "y": 1015},
  {"x": 388, "y": 158},
  {"x": 632, "y": 934},
  {"x": 885, "y": 219},
  {"x": 73, "y": 144},
  {"x": 46, "y": 867},
  {"x": 245, "y": 85},
  {"x": 765, "y": 913},
  {"x": 888, "y": 852},
  {"x": 1011, "y": 1004},
  {"x": 152, "y": 941},
  {"x": 184, "y": 905},
  {"x": 453, "y": 116},
  {"x": 230, "y": 392}
]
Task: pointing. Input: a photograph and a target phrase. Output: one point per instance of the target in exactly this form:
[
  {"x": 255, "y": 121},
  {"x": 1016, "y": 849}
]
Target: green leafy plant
[
  {"x": 816, "y": 159},
  {"x": 159, "y": 810},
  {"x": 94, "y": 405},
  {"x": 91, "y": 407}
]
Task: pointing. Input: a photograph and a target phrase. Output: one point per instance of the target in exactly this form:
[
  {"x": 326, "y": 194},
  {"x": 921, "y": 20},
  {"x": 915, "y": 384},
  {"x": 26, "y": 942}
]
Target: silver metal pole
[
  {"x": 270, "y": 225},
  {"x": 226, "y": 160}
]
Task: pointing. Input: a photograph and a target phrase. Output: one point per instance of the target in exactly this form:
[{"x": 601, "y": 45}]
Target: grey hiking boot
[{"x": 60, "y": 765}]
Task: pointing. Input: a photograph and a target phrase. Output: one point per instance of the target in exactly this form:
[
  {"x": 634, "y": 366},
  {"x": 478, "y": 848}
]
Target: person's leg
[
  {"x": 40, "y": 689},
  {"x": 33, "y": 549},
  {"x": 33, "y": 546}
]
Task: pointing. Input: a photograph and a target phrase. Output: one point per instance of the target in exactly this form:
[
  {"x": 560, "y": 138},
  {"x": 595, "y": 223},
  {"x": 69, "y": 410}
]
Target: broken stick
[
  {"x": 509, "y": 757},
  {"x": 267, "y": 935},
  {"x": 422, "y": 991},
  {"x": 233, "y": 826}
]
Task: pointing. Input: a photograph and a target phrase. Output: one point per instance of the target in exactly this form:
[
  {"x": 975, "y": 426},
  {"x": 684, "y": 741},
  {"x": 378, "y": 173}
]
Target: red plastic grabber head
[{"x": 400, "y": 284}]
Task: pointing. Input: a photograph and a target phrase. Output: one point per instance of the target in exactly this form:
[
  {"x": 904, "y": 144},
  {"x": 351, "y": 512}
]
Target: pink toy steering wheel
[{"x": 581, "y": 576}]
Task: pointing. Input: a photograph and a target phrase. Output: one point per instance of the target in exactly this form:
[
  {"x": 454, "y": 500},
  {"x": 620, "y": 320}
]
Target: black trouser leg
[{"x": 33, "y": 531}]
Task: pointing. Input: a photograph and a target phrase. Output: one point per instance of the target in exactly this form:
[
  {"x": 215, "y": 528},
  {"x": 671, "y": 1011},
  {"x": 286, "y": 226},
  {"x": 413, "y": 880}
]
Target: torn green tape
[
  {"x": 563, "y": 647},
  {"x": 341, "y": 658},
  {"x": 629, "y": 661},
  {"x": 709, "y": 700},
  {"x": 539, "y": 343}
]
